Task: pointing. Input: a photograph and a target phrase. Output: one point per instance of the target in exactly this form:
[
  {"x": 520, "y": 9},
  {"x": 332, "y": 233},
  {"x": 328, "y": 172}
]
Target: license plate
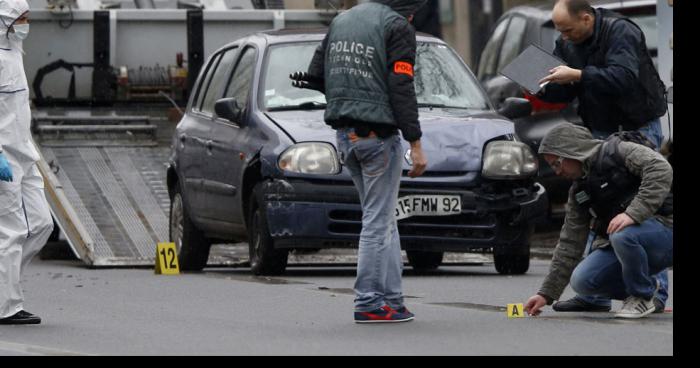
[{"x": 428, "y": 205}]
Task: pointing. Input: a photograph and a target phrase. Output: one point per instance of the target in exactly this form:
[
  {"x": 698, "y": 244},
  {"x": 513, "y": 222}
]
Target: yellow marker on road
[
  {"x": 516, "y": 311},
  {"x": 166, "y": 259}
]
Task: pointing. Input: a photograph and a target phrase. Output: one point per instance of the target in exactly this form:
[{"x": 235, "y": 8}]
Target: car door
[
  {"x": 228, "y": 148},
  {"x": 189, "y": 143},
  {"x": 498, "y": 87},
  {"x": 199, "y": 140}
]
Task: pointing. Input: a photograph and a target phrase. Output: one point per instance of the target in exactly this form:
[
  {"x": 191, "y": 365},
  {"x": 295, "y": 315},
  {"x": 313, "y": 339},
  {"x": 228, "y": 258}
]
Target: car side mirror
[
  {"x": 515, "y": 108},
  {"x": 228, "y": 108}
]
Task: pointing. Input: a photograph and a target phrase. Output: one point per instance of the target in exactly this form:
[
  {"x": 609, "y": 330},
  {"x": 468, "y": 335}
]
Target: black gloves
[{"x": 307, "y": 81}]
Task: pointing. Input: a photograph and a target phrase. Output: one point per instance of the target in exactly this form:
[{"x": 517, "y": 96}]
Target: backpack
[{"x": 633, "y": 136}]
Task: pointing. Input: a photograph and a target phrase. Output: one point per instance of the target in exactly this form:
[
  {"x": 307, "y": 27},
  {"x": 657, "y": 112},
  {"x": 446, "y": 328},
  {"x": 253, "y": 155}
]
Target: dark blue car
[{"x": 252, "y": 160}]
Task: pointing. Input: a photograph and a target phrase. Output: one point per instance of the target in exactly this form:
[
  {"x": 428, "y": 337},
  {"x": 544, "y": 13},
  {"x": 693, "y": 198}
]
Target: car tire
[
  {"x": 515, "y": 259},
  {"x": 265, "y": 260},
  {"x": 424, "y": 261},
  {"x": 191, "y": 244},
  {"x": 516, "y": 264}
]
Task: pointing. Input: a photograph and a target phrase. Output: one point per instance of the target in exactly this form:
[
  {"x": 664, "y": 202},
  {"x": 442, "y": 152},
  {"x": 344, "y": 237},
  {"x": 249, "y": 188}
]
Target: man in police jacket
[{"x": 365, "y": 67}]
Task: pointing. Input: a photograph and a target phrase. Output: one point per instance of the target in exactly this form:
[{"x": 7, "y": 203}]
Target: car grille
[{"x": 464, "y": 226}]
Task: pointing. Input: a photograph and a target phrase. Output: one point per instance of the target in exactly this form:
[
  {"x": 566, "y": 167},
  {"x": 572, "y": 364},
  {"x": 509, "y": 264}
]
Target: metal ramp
[{"x": 105, "y": 182}]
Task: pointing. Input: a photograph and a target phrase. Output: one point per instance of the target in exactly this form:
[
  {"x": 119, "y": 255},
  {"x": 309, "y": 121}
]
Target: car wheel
[
  {"x": 515, "y": 259},
  {"x": 191, "y": 244},
  {"x": 264, "y": 258},
  {"x": 424, "y": 261},
  {"x": 512, "y": 264}
]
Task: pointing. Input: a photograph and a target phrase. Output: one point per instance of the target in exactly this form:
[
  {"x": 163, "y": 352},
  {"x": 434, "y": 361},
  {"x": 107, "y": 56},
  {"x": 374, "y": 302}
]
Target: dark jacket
[
  {"x": 619, "y": 84},
  {"x": 387, "y": 100}
]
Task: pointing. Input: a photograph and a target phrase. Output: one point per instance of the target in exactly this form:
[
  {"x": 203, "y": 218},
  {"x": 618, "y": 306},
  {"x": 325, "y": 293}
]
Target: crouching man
[{"x": 622, "y": 191}]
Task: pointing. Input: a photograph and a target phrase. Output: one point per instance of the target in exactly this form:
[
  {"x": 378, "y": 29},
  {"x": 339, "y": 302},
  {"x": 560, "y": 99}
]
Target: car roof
[
  {"x": 314, "y": 34},
  {"x": 287, "y": 35}
]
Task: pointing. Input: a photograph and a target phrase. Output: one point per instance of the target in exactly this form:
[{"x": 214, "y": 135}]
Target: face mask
[{"x": 21, "y": 32}]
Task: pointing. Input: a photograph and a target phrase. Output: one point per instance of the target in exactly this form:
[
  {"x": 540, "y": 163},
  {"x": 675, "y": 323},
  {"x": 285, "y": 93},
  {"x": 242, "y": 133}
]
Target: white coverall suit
[{"x": 25, "y": 219}]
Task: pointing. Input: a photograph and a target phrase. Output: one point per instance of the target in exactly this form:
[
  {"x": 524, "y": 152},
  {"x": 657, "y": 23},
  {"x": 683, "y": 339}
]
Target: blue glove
[{"x": 5, "y": 169}]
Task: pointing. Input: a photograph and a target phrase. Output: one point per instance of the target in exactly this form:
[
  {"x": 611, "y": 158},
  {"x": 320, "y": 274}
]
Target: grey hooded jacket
[{"x": 576, "y": 142}]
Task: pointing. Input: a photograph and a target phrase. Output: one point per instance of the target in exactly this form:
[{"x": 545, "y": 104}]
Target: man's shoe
[
  {"x": 578, "y": 305},
  {"x": 21, "y": 318},
  {"x": 404, "y": 310},
  {"x": 635, "y": 307},
  {"x": 659, "y": 306},
  {"x": 382, "y": 315}
]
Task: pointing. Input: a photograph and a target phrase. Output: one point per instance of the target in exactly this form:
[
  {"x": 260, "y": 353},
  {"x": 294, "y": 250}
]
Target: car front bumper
[{"x": 303, "y": 214}]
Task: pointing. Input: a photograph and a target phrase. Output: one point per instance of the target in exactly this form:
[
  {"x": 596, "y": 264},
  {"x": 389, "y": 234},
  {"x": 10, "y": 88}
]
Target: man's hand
[
  {"x": 562, "y": 75},
  {"x": 534, "y": 305},
  {"x": 5, "y": 169},
  {"x": 420, "y": 163},
  {"x": 619, "y": 223}
]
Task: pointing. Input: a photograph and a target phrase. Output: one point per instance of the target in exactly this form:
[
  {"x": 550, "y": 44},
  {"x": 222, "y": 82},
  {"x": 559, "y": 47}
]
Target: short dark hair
[{"x": 576, "y": 7}]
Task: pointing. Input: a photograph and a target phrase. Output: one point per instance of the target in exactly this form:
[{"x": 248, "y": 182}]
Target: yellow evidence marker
[
  {"x": 515, "y": 311},
  {"x": 166, "y": 259}
]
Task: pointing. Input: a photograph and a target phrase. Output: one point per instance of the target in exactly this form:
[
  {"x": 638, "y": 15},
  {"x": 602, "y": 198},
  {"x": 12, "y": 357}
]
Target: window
[
  {"x": 214, "y": 90},
  {"x": 205, "y": 82},
  {"x": 242, "y": 79},
  {"x": 549, "y": 37},
  {"x": 442, "y": 79},
  {"x": 513, "y": 41},
  {"x": 282, "y": 61},
  {"x": 489, "y": 58}
]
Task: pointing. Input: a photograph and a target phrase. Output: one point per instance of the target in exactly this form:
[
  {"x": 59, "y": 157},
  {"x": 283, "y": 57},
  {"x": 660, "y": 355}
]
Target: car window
[
  {"x": 512, "y": 41},
  {"x": 442, "y": 79},
  {"x": 217, "y": 82},
  {"x": 207, "y": 79},
  {"x": 549, "y": 36},
  {"x": 283, "y": 60},
  {"x": 242, "y": 79},
  {"x": 650, "y": 27},
  {"x": 489, "y": 57}
]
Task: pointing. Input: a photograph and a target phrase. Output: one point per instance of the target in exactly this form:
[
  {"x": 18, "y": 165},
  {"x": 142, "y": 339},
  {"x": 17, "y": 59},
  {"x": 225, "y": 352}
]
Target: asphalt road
[{"x": 460, "y": 310}]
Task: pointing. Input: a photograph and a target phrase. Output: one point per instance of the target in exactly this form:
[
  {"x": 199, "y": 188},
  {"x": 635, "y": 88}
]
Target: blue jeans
[
  {"x": 627, "y": 266},
  {"x": 375, "y": 166},
  {"x": 654, "y": 133}
]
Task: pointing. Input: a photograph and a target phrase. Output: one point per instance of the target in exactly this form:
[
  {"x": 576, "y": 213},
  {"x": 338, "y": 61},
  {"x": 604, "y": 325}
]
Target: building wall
[{"x": 299, "y": 4}]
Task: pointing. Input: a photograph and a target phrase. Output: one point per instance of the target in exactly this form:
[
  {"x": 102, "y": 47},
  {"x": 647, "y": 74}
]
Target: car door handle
[{"x": 210, "y": 146}]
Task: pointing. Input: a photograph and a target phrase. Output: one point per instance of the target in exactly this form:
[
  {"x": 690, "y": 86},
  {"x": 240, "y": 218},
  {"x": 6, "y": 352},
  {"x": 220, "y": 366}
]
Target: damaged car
[{"x": 252, "y": 160}]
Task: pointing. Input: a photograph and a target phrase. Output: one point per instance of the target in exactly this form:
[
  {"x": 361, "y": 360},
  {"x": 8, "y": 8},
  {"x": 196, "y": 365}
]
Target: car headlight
[
  {"x": 310, "y": 158},
  {"x": 509, "y": 160}
]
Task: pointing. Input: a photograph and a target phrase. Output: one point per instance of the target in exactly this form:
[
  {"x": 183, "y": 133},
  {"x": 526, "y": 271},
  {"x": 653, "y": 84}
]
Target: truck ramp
[{"x": 105, "y": 182}]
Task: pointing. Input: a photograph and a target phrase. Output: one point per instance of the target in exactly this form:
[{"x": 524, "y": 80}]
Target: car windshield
[{"x": 441, "y": 79}]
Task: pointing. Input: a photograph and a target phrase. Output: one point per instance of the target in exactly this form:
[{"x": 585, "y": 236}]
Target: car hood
[{"x": 453, "y": 140}]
